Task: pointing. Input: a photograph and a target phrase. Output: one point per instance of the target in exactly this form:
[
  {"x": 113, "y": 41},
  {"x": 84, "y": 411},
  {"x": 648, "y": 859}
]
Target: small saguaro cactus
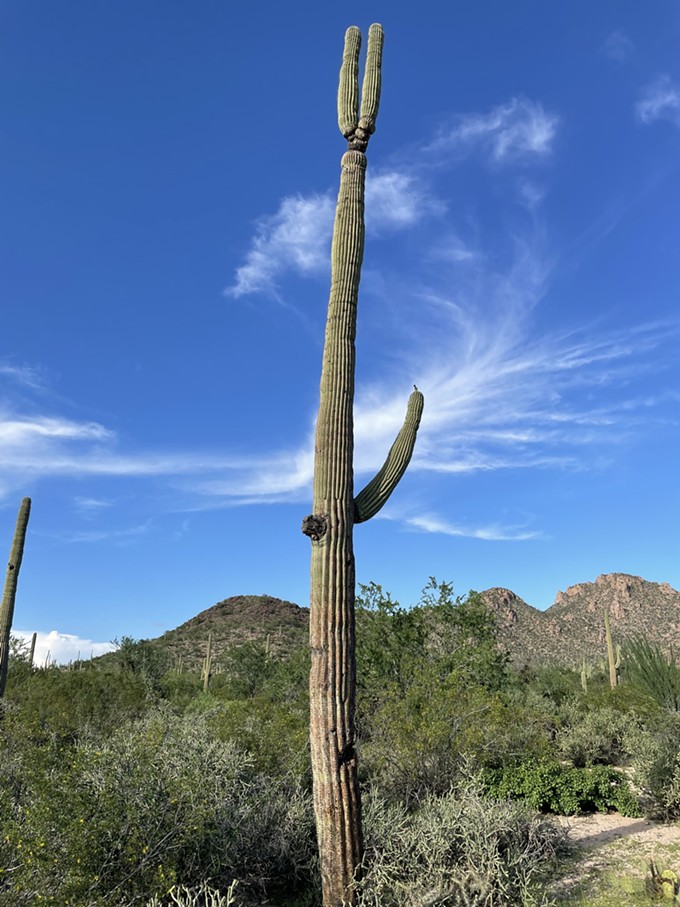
[
  {"x": 613, "y": 661},
  {"x": 337, "y": 803},
  {"x": 207, "y": 664},
  {"x": 10, "y": 591},
  {"x": 31, "y": 651}
]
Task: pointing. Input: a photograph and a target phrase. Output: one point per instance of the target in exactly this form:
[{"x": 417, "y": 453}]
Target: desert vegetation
[{"x": 124, "y": 782}]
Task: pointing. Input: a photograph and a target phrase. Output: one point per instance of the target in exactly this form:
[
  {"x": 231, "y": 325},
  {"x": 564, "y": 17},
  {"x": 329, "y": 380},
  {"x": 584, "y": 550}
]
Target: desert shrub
[
  {"x": 160, "y": 802},
  {"x": 457, "y": 849},
  {"x": 65, "y": 703},
  {"x": 595, "y": 737},
  {"x": 552, "y": 683},
  {"x": 549, "y": 786},
  {"x": 655, "y": 752},
  {"x": 275, "y": 734},
  {"x": 202, "y": 896},
  {"x": 142, "y": 659},
  {"x": 423, "y": 740}
]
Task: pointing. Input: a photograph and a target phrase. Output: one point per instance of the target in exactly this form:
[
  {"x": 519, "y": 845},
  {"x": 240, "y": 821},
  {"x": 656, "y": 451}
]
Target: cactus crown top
[{"x": 358, "y": 126}]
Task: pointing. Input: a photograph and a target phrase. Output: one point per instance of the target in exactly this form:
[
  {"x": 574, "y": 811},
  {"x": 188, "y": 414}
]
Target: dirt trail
[{"x": 614, "y": 845}]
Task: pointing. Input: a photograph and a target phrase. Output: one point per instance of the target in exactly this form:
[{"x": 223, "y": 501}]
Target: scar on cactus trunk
[
  {"x": 337, "y": 803},
  {"x": 10, "y": 590}
]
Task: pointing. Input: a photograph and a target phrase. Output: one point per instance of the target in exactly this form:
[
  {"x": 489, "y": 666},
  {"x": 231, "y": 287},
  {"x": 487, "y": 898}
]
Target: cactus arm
[
  {"x": 369, "y": 501},
  {"x": 10, "y": 590},
  {"x": 370, "y": 88},
  {"x": 348, "y": 90}
]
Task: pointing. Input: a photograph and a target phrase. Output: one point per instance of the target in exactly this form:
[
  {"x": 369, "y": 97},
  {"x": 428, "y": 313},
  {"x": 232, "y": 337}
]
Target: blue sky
[{"x": 170, "y": 172}]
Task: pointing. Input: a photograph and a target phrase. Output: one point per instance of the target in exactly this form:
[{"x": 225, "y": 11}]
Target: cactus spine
[
  {"x": 10, "y": 591},
  {"x": 614, "y": 662},
  {"x": 337, "y": 803}
]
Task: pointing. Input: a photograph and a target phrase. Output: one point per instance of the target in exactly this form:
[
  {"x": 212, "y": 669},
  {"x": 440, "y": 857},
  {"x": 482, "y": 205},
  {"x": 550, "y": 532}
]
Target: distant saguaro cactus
[
  {"x": 337, "y": 801},
  {"x": 10, "y": 591},
  {"x": 613, "y": 661},
  {"x": 207, "y": 664}
]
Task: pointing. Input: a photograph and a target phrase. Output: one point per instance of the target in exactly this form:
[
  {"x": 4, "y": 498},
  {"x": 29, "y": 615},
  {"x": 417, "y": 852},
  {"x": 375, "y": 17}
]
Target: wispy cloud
[
  {"x": 517, "y": 131},
  {"x": 124, "y": 536},
  {"x": 618, "y": 46},
  {"x": 432, "y": 523},
  {"x": 659, "y": 100},
  {"x": 530, "y": 193},
  {"x": 22, "y": 374},
  {"x": 294, "y": 239},
  {"x": 14, "y": 433},
  {"x": 88, "y": 507},
  {"x": 500, "y": 394},
  {"x": 396, "y": 200},
  {"x": 297, "y": 238},
  {"x": 62, "y": 647}
]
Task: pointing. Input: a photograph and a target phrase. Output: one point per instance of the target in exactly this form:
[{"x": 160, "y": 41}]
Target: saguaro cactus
[
  {"x": 613, "y": 661},
  {"x": 10, "y": 591},
  {"x": 207, "y": 671},
  {"x": 333, "y": 674}
]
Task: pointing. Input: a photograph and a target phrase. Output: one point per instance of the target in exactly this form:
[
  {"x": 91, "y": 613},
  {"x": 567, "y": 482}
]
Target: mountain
[
  {"x": 237, "y": 620},
  {"x": 573, "y": 626}
]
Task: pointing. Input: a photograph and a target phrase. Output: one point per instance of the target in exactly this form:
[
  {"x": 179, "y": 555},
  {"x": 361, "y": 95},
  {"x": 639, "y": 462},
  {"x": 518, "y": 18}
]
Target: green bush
[
  {"x": 595, "y": 737},
  {"x": 66, "y": 703},
  {"x": 656, "y": 762},
  {"x": 458, "y": 849},
  {"x": 420, "y": 742},
  {"x": 549, "y": 786},
  {"x": 162, "y": 801}
]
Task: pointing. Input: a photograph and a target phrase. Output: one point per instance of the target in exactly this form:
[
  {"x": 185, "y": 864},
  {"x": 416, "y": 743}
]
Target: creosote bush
[
  {"x": 457, "y": 849},
  {"x": 162, "y": 801}
]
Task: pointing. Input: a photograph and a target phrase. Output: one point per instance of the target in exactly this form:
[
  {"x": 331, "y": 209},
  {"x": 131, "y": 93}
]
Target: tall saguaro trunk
[
  {"x": 10, "y": 591},
  {"x": 337, "y": 801}
]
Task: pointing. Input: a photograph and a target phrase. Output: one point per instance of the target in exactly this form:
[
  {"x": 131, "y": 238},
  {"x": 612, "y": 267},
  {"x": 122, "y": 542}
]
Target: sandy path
[{"x": 613, "y": 844}]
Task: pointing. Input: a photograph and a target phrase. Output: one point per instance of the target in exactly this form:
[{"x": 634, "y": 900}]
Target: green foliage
[
  {"x": 275, "y": 734},
  {"x": 457, "y": 849},
  {"x": 655, "y": 673},
  {"x": 141, "y": 659},
  {"x": 549, "y": 786},
  {"x": 656, "y": 760},
  {"x": 422, "y": 741},
  {"x": 215, "y": 785},
  {"x": 161, "y": 801},
  {"x": 595, "y": 736},
  {"x": 63, "y": 703}
]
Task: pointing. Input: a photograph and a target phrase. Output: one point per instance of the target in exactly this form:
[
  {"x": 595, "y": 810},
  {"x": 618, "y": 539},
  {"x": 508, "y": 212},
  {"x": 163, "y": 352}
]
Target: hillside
[
  {"x": 237, "y": 620},
  {"x": 571, "y": 627}
]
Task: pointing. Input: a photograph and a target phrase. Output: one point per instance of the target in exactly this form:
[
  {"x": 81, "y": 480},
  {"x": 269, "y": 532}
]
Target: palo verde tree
[
  {"x": 10, "y": 590},
  {"x": 332, "y": 629}
]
